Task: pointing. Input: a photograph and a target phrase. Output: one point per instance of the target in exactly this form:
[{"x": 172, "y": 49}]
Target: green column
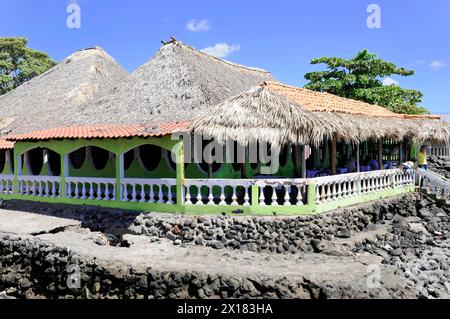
[
  {"x": 17, "y": 171},
  {"x": 255, "y": 195},
  {"x": 311, "y": 197},
  {"x": 119, "y": 174},
  {"x": 179, "y": 152},
  {"x": 64, "y": 173}
]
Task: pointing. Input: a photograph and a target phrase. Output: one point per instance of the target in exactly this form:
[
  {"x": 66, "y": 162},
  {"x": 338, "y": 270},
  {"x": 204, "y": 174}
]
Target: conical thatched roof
[
  {"x": 57, "y": 97},
  {"x": 175, "y": 85}
]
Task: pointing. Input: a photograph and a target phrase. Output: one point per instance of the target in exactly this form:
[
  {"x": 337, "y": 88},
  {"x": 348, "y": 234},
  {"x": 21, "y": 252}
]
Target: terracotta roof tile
[
  {"x": 6, "y": 145},
  {"x": 324, "y": 102},
  {"x": 102, "y": 131}
]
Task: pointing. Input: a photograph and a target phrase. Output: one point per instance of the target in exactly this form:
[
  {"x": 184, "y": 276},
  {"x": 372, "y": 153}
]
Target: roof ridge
[{"x": 187, "y": 46}]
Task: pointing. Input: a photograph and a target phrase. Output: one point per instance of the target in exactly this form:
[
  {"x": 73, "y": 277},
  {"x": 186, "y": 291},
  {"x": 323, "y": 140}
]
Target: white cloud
[
  {"x": 198, "y": 26},
  {"x": 221, "y": 50},
  {"x": 438, "y": 64},
  {"x": 389, "y": 81}
]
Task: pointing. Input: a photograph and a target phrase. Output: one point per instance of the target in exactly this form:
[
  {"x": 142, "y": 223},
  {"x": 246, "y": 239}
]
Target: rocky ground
[
  {"x": 440, "y": 165},
  {"x": 396, "y": 248}
]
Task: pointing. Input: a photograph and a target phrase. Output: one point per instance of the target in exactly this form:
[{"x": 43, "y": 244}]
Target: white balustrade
[
  {"x": 6, "y": 184},
  {"x": 147, "y": 190},
  {"x": 40, "y": 186},
  {"x": 439, "y": 150},
  {"x": 434, "y": 184},
  {"x": 286, "y": 192},
  {"x": 222, "y": 192},
  {"x": 339, "y": 187},
  {"x": 94, "y": 188}
]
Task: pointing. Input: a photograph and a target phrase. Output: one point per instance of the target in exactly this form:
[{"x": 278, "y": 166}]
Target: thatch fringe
[
  {"x": 266, "y": 115},
  {"x": 259, "y": 115}
]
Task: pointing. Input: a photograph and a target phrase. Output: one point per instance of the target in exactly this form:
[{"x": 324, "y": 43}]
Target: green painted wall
[{"x": 121, "y": 146}]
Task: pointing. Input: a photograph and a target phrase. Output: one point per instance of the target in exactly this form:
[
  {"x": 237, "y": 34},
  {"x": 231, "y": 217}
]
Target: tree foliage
[
  {"x": 19, "y": 64},
  {"x": 361, "y": 78}
]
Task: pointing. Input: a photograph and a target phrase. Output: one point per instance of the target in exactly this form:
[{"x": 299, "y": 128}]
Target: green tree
[
  {"x": 19, "y": 64},
  {"x": 361, "y": 78}
]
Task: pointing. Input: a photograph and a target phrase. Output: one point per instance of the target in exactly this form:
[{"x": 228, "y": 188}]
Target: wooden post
[
  {"x": 380, "y": 154},
  {"x": 333, "y": 156},
  {"x": 303, "y": 158},
  {"x": 400, "y": 154},
  {"x": 357, "y": 155},
  {"x": 295, "y": 150},
  {"x": 244, "y": 164}
]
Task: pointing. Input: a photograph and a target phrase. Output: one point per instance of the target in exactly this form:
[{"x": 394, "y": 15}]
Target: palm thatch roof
[
  {"x": 175, "y": 85},
  {"x": 278, "y": 114},
  {"x": 432, "y": 131},
  {"x": 258, "y": 114},
  {"x": 57, "y": 97}
]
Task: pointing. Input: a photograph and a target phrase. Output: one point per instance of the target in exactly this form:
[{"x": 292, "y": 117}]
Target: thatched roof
[
  {"x": 434, "y": 131},
  {"x": 278, "y": 114},
  {"x": 258, "y": 115},
  {"x": 58, "y": 96},
  {"x": 175, "y": 85}
]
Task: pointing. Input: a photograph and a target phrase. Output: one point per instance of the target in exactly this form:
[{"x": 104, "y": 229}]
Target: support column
[
  {"x": 380, "y": 154},
  {"x": 295, "y": 150},
  {"x": 120, "y": 174},
  {"x": 179, "y": 151},
  {"x": 64, "y": 174},
  {"x": 333, "y": 156},
  {"x": 357, "y": 157},
  {"x": 400, "y": 154},
  {"x": 17, "y": 171},
  {"x": 303, "y": 159},
  {"x": 243, "y": 163}
]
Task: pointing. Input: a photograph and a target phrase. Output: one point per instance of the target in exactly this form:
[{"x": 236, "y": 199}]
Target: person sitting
[{"x": 422, "y": 158}]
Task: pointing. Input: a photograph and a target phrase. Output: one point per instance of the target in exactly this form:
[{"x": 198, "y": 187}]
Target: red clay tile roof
[
  {"x": 6, "y": 145},
  {"x": 102, "y": 131},
  {"x": 324, "y": 102}
]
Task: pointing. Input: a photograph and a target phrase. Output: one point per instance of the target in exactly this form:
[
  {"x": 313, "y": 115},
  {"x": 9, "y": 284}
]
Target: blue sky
[{"x": 281, "y": 36}]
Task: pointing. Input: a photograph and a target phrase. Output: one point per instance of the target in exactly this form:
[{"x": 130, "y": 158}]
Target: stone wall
[{"x": 30, "y": 268}]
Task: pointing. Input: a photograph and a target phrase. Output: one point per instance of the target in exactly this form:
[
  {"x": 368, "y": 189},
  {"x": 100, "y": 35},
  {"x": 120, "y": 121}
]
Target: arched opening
[
  {"x": 150, "y": 157},
  {"x": 41, "y": 161},
  {"x": 128, "y": 159},
  {"x": 92, "y": 172},
  {"x": 99, "y": 157},
  {"x": 34, "y": 159},
  {"x": 149, "y": 161},
  {"x": 53, "y": 161},
  {"x": 91, "y": 161},
  {"x": 77, "y": 158}
]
